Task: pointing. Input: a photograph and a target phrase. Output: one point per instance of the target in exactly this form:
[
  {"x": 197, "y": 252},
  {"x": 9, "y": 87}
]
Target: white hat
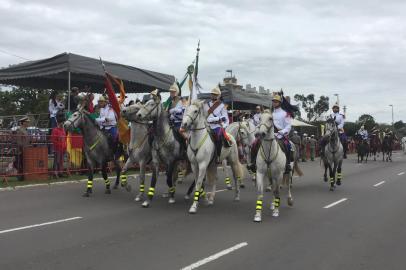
[
  {"x": 174, "y": 88},
  {"x": 102, "y": 98},
  {"x": 216, "y": 91}
]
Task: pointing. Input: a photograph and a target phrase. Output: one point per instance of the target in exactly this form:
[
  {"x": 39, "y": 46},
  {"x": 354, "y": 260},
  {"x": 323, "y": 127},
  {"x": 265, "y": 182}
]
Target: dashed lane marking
[
  {"x": 335, "y": 203},
  {"x": 378, "y": 184},
  {"x": 401, "y": 173},
  {"x": 39, "y": 225},
  {"x": 215, "y": 256}
]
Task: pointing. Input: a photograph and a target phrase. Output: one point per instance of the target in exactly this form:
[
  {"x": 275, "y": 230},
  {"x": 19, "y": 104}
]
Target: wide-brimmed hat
[
  {"x": 174, "y": 88},
  {"x": 102, "y": 98},
  {"x": 336, "y": 106},
  {"x": 277, "y": 98},
  {"x": 216, "y": 91}
]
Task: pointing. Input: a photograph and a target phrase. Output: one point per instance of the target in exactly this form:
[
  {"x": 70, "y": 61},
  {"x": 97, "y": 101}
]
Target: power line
[{"x": 11, "y": 54}]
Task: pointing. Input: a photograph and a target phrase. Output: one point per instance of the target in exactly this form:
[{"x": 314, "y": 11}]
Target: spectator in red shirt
[{"x": 58, "y": 139}]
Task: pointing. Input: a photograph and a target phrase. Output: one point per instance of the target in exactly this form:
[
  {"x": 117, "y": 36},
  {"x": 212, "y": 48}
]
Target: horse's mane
[{"x": 197, "y": 102}]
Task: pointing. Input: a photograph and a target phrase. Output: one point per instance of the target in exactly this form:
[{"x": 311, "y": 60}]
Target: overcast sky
[{"x": 354, "y": 48}]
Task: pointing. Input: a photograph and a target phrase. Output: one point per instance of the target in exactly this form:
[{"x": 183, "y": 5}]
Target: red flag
[{"x": 112, "y": 96}]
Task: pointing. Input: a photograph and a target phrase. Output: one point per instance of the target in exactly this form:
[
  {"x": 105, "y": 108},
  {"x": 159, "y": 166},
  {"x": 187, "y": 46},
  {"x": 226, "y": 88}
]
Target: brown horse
[{"x": 375, "y": 146}]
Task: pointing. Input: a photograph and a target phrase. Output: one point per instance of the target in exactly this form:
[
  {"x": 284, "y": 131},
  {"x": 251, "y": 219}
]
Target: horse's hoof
[
  {"x": 290, "y": 201},
  {"x": 237, "y": 199},
  {"x": 128, "y": 188},
  {"x": 257, "y": 217},
  {"x": 242, "y": 185},
  {"x": 193, "y": 210},
  {"x": 210, "y": 202},
  {"x": 139, "y": 197},
  {"x": 145, "y": 204},
  {"x": 332, "y": 188},
  {"x": 268, "y": 188},
  {"x": 171, "y": 200},
  {"x": 165, "y": 195},
  {"x": 338, "y": 182},
  {"x": 107, "y": 191},
  {"x": 325, "y": 179},
  {"x": 115, "y": 186},
  {"x": 229, "y": 187},
  {"x": 86, "y": 194},
  {"x": 187, "y": 197},
  {"x": 275, "y": 213}
]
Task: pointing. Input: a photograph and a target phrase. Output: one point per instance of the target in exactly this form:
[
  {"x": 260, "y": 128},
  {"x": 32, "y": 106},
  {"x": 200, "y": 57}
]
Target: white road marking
[
  {"x": 215, "y": 256},
  {"x": 221, "y": 190},
  {"x": 335, "y": 203},
  {"x": 39, "y": 225},
  {"x": 378, "y": 184},
  {"x": 402, "y": 173}
]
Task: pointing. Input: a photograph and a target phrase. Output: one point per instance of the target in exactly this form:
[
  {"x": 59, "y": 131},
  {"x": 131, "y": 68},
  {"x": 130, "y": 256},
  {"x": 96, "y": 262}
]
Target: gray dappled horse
[
  {"x": 97, "y": 149},
  {"x": 201, "y": 152},
  {"x": 139, "y": 149},
  {"x": 165, "y": 148},
  {"x": 333, "y": 154},
  {"x": 243, "y": 132}
]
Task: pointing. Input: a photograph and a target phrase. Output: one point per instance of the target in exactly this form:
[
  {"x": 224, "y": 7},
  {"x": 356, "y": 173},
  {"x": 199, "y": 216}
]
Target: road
[{"x": 55, "y": 228}]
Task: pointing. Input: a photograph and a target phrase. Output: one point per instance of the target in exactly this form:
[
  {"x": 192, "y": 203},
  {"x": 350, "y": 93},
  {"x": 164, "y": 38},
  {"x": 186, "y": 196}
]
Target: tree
[
  {"x": 399, "y": 124},
  {"x": 307, "y": 103},
  {"x": 367, "y": 120},
  {"x": 24, "y": 100},
  {"x": 350, "y": 128},
  {"x": 322, "y": 106}
]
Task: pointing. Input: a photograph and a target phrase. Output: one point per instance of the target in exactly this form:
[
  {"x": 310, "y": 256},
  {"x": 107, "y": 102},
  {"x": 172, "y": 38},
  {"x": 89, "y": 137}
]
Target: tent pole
[{"x": 69, "y": 91}]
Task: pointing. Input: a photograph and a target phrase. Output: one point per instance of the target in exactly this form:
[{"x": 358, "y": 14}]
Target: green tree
[
  {"x": 307, "y": 103},
  {"x": 350, "y": 128},
  {"x": 321, "y": 106},
  {"x": 24, "y": 100},
  {"x": 367, "y": 120},
  {"x": 399, "y": 124}
]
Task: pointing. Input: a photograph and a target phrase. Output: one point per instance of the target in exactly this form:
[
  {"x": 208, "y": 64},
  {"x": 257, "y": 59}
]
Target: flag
[
  {"x": 194, "y": 85},
  {"x": 122, "y": 124}
]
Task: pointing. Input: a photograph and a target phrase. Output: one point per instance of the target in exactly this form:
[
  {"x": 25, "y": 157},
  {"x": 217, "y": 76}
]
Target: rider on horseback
[
  {"x": 282, "y": 122},
  {"x": 217, "y": 118},
  {"x": 340, "y": 120},
  {"x": 107, "y": 119},
  {"x": 173, "y": 105},
  {"x": 363, "y": 133}
]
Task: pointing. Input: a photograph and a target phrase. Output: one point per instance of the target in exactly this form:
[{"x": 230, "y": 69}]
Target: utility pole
[
  {"x": 338, "y": 99},
  {"x": 345, "y": 110},
  {"x": 391, "y": 105}
]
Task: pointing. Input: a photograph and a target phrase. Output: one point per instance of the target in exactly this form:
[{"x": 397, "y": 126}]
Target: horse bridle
[
  {"x": 73, "y": 122},
  {"x": 153, "y": 109},
  {"x": 193, "y": 120}
]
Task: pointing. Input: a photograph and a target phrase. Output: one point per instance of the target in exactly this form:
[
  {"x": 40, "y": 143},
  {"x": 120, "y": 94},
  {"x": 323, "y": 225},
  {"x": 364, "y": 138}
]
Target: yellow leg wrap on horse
[
  {"x": 202, "y": 193},
  {"x": 276, "y": 202},
  {"x": 339, "y": 176},
  {"x": 107, "y": 182},
  {"x": 227, "y": 180},
  {"x": 142, "y": 188},
  {"x": 331, "y": 179},
  {"x": 172, "y": 190},
  {"x": 151, "y": 191},
  {"x": 89, "y": 183},
  {"x": 259, "y": 205},
  {"x": 196, "y": 197}
]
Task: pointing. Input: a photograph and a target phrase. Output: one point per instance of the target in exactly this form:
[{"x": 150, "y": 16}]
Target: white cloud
[{"x": 354, "y": 48}]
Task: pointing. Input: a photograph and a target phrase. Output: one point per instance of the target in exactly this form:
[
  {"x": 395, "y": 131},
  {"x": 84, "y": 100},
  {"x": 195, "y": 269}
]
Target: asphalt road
[{"x": 55, "y": 228}]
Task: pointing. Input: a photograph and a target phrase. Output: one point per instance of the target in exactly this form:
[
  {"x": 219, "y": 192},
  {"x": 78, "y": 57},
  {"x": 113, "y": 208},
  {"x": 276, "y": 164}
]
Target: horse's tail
[{"x": 297, "y": 169}]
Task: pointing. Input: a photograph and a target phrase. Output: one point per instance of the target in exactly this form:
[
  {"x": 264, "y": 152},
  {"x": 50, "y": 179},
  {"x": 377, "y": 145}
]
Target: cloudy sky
[{"x": 351, "y": 47}]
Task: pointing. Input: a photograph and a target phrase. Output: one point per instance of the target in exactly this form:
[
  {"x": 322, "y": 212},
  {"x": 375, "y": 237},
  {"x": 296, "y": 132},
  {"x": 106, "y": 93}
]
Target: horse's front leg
[
  {"x": 123, "y": 172},
  {"x": 325, "y": 172},
  {"x": 227, "y": 179},
  {"x": 211, "y": 178},
  {"x": 339, "y": 174},
  {"x": 202, "y": 167},
  {"x": 290, "y": 180},
  {"x": 140, "y": 195},
  {"x": 260, "y": 195},
  {"x": 89, "y": 188},
  {"x": 332, "y": 176},
  {"x": 276, "y": 183},
  {"x": 151, "y": 190},
  {"x": 106, "y": 178},
  {"x": 172, "y": 168}
]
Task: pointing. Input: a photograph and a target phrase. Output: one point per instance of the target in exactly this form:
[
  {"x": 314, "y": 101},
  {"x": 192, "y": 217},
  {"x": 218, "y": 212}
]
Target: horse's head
[
  {"x": 192, "y": 114},
  {"x": 76, "y": 120},
  {"x": 331, "y": 127},
  {"x": 266, "y": 127},
  {"x": 245, "y": 135},
  {"x": 130, "y": 113},
  {"x": 151, "y": 109}
]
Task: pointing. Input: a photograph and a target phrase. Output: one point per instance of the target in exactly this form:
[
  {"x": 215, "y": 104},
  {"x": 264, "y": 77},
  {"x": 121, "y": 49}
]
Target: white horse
[
  {"x": 139, "y": 150},
  {"x": 243, "y": 132},
  {"x": 201, "y": 152},
  {"x": 271, "y": 161}
]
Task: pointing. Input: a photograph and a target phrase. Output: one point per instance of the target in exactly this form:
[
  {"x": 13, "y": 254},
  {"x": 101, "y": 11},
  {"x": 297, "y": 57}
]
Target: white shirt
[
  {"x": 363, "y": 133},
  {"x": 339, "y": 119},
  {"x": 257, "y": 119},
  {"x": 282, "y": 121},
  {"x": 220, "y": 113},
  {"x": 176, "y": 113},
  {"x": 53, "y": 110},
  {"x": 107, "y": 117}
]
